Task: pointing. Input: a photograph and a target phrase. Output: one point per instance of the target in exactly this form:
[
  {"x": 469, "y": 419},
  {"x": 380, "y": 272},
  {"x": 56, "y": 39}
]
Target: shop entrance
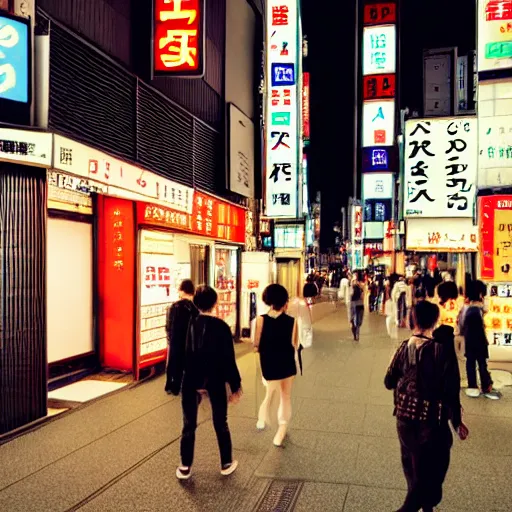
[
  {"x": 289, "y": 275},
  {"x": 199, "y": 263}
]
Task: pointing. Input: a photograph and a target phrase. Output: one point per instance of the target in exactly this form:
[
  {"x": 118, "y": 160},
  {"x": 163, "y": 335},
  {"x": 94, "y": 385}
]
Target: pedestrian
[
  {"x": 425, "y": 377},
  {"x": 276, "y": 340},
  {"x": 209, "y": 367},
  {"x": 344, "y": 286},
  {"x": 356, "y": 293},
  {"x": 300, "y": 309},
  {"x": 448, "y": 294},
  {"x": 178, "y": 320},
  {"x": 471, "y": 325},
  {"x": 401, "y": 295}
]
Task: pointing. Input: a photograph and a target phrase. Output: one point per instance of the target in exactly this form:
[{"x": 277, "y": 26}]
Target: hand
[
  {"x": 462, "y": 432},
  {"x": 235, "y": 397}
]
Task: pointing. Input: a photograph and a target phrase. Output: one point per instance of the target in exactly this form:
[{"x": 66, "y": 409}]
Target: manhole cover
[{"x": 279, "y": 497}]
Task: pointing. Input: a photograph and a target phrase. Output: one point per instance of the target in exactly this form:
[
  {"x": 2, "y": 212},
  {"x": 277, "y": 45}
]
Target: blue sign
[
  {"x": 283, "y": 75},
  {"x": 14, "y": 60},
  {"x": 376, "y": 159}
]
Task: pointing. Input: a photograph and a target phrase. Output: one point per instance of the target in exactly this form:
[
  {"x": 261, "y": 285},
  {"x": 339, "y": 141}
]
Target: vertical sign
[
  {"x": 305, "y": 107},
  {"x": 282, "y": 133},
  {"x": 357, "y": 236},
  {"x": 178, "y": 38}
]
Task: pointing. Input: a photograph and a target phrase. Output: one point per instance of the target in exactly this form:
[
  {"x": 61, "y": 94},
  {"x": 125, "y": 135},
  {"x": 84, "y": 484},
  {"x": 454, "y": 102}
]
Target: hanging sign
[
  {"x": 440, "y": 167},
  {"x": 282, "y": 130},
  {"x": 178, "y": 38}
]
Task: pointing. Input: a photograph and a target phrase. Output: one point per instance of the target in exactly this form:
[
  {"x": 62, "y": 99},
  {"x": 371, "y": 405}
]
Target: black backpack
[{"x": 410, "y": 402}]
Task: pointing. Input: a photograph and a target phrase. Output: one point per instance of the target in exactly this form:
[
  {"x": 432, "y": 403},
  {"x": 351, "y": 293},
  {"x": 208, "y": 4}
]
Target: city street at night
[{"x": 121, "y": 452}]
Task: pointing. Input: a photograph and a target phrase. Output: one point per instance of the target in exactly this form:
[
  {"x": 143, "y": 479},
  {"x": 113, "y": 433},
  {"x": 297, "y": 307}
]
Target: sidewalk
[{"x": 120, "y": 453}]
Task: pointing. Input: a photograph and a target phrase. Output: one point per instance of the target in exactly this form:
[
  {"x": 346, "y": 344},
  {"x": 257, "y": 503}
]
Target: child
[
  {"x": 471, "y": 324},
  {"x": 209, "y": 366}
]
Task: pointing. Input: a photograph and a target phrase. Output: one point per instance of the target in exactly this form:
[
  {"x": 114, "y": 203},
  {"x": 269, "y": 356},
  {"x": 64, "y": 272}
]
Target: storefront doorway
[{"x": 289, "y": 275}]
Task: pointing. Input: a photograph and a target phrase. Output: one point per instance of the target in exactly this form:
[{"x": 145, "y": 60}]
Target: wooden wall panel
[{"x": 23, "y": 395}]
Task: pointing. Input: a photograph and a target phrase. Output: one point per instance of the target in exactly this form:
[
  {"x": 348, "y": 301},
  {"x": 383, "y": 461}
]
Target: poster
[
  {"x": 440, "y": 167},
  {"x": 498, "y": 316}
]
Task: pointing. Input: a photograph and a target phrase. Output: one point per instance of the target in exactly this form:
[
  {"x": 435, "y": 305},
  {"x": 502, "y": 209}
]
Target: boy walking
[{"x": 471, "y": 324}]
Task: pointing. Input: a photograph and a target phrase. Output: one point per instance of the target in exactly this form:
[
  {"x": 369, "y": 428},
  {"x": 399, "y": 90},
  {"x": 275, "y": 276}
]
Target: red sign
[
  {"x": 178, "y": 37},
  {"x": 305, "y": 105},
  {"x": 210, "y": 217},
  {"x": 379, "y": 14},
  {"x": 497, "y": 10},
  {"x": 378, "y": 86}
]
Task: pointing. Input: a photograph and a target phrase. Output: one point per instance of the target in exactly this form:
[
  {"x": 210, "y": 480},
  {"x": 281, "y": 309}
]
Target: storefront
[
  {"x": 495, "y": 269},
  {"x": 168, "y": 245}
]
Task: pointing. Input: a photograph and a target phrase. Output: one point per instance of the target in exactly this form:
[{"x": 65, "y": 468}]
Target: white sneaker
[
  {"x": 473, "y": 392},
  {"x": 280, "y": 436},
  {"x": 493, "y": 395},
  {"x": 183, "y": 473},
  {"x": 261, "y": 425},
  {"x": 229, "y": 469}
]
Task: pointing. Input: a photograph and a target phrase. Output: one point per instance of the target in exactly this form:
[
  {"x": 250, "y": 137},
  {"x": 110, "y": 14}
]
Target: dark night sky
[{"x": 331, "y": 35}]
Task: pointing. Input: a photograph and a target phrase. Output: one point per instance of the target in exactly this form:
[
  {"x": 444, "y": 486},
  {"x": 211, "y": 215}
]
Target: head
[
  {"x": 420, "y": 294},
  {"x": 476, "y": 291},
  {"x": 425, "y": 316},
  {"x": 186, "y": 289},
  {"x": 205, "y": 298},
  {"x": 446, "y": 291},
  {"x": 310, "y": 290},
  {"x": 276, "y": 297}
]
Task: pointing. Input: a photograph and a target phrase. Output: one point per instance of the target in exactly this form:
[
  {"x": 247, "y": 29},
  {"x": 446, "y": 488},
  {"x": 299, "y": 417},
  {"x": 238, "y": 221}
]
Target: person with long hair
[
  {"x": 424, "y": 375},
  {"x": 277, "y": 341}
]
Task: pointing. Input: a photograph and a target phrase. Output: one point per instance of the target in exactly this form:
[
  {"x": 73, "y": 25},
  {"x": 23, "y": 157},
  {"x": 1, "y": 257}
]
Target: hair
[
  {"x": 205, "y": 298},
  {"x": 425, "y": 315},
  {"x": 187, "y": 286},
  {"x": 310, "y": 290},
  {"x": 420, "y": 294},
  {"x": 447, "y": 290},
  {"x": 275, "y": 296},
  {"x": 476, "y": 291}
]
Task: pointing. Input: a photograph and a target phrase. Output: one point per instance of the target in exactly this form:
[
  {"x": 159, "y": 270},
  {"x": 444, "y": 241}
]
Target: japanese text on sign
[
  {"x": 379, "y": 50},
  {"x": 380, "y": 14},
  {"x": 178, "y": 37},
  {"x": 378, "y": 123},
  {"x": 440, "y": 167},
  {"x": 378, "y": 87}
]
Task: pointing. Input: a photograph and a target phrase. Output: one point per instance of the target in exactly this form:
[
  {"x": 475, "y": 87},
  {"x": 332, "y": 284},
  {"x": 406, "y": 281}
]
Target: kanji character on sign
[
  {"x": 177, "y": 13},
  {"x": 417, "y": 147},
  {"x": 420, "y": 126},
  {"x": 180, "y": 50},
  {"x": 424, "y": 193},
  {"x": 280, "y": 15},
  {"x": 280, "y": 136},
  {"x": 281, "y": 199},
  {"x": 284, "y": 168},
  {"x": 379, "y": 115}
]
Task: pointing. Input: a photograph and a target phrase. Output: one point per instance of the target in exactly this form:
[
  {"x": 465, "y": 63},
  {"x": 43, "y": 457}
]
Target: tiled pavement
[{"x": 120, "y": 453}]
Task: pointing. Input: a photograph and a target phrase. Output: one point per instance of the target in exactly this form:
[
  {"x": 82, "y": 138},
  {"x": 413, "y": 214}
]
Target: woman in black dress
[{"x": 276, "y": 340}]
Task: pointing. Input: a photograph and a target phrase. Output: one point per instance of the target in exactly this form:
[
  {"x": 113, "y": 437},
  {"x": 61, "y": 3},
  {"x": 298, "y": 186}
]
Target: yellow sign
[{"x": 502, "y": 245}]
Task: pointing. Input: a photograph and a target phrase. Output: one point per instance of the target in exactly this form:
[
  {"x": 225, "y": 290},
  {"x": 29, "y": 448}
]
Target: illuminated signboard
[
  {"x": 378, "y": 123},
  {"x": 378, "y": 87},
  {"x": 14, "y": 59},
  {"x": 378, "y": 159},
  {"x": 305, "y": 106},
  {"x": 282, "y": 130},
  {"x": 440, "y": 167},
  {"x": 379, "y": 50},
  {"x": 210, "y": 217},
  {"x": 178, "y": 37},
  {"x": 378, "y": 186},
  {"x": 494, "y": 34},
  {"x": 289, "y": 236},
  {"x": 380, "y": 14}
]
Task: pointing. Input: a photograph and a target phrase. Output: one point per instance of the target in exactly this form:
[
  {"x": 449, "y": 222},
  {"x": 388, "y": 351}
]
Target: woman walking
[
  {"x": 356, "y": 306},
  {"x": 276, "y": 340},
  {"x": 424, "y": 375}
]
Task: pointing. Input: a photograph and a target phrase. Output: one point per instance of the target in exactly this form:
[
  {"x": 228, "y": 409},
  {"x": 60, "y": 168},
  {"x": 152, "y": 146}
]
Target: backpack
[
  {"x": 410, "y": 404},
  {"x": 356, "y": 293}
]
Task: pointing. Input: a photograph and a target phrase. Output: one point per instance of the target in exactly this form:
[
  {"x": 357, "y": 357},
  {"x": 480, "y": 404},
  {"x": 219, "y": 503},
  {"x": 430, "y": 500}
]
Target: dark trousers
[
  {"x": 425, "y": 460},
  {"x": 190, "y": 403},
  {"x": 356, "y": 318},
  {"x": 485, "y": 376}
]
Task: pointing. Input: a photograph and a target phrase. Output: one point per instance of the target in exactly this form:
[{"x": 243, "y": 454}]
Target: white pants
[
  {"x": 391, "y": 327},
  {"x": 284, "y": 413}
]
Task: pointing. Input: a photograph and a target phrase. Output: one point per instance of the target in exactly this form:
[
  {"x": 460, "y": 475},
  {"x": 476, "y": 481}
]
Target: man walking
[{"x": 178, "y": 320}]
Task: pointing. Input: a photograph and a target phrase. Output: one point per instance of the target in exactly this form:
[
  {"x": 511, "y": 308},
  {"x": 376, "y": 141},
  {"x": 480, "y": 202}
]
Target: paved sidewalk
[{"x": 120, "y": 453}]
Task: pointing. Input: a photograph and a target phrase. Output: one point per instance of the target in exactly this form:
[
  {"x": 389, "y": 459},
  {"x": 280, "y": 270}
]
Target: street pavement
[{"x": 120, "y": 452}]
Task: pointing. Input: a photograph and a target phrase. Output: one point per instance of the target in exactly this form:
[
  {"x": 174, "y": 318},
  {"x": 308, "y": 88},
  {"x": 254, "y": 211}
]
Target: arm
[
  {"x": 394, "y": 372},
  {"x": 295, "y": 335},
  {"x": 451, "y": 389},
  {"x": 232, "y": 374},
  {"x": 257, "y": 333}
]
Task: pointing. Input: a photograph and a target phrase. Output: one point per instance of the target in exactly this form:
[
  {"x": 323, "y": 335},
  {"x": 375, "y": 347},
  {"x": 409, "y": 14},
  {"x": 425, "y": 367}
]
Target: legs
[
  {"x": 263, "y": 415},
  {"x": 284, "y": 413},
  {"x": 485, "y": 376},
  {"x": 190, "y": 404},
  {"x": 219, "y": 402},
  {"x": 471, "y": 372}
]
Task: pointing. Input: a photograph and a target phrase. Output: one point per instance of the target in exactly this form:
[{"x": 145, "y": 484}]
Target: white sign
[
  {"x": 378, "y": 186},
  {"x": 442, "y": 235},
  {"x": 373, "y": 231},
  {"x": 494, "y": 35},
  {"x": 495, "y": 134},
  {"x": 241, "y": 153},
  {"x": 119, "y": 176},
  {"x": 378, "y": 123},
  {"x": 440, "y": 167},
  {"x": 379, "y": 50},
  {"x": 26, "y": 147},
  {"x": 282, "y": 113}
]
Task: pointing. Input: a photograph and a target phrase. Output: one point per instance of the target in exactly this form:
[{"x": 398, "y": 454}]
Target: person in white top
[
  {"x": 343, "y": 290},
  {"x": 300, "y": 309}
]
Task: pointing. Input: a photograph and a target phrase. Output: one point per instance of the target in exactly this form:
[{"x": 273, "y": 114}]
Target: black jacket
[
  {"x": 441, "y": 374},
  {"x": 473, "y": 330},
  {"x": 179, "y": 316}
]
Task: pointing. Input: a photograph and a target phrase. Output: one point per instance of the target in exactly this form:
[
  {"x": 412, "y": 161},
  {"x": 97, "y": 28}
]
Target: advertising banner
[
  {"x": 440, "y": 167},
  {"x": 378, "y": 186},
  {"x": 379, "y": 50},
  {"x": 26, "y": 147}
]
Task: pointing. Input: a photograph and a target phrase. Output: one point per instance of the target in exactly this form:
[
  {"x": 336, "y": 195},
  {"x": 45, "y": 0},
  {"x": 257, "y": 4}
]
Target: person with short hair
[
  {"x": 300, "y": 309},
  {"x": 356, "y": 305},
  {"x": 472, "y": 327},
  {"x": 178, "y": 319},
  {"x": 277, "y": 341},
  {"x": 424, "y": 375},
  {"x": 210, "y": 367}
]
